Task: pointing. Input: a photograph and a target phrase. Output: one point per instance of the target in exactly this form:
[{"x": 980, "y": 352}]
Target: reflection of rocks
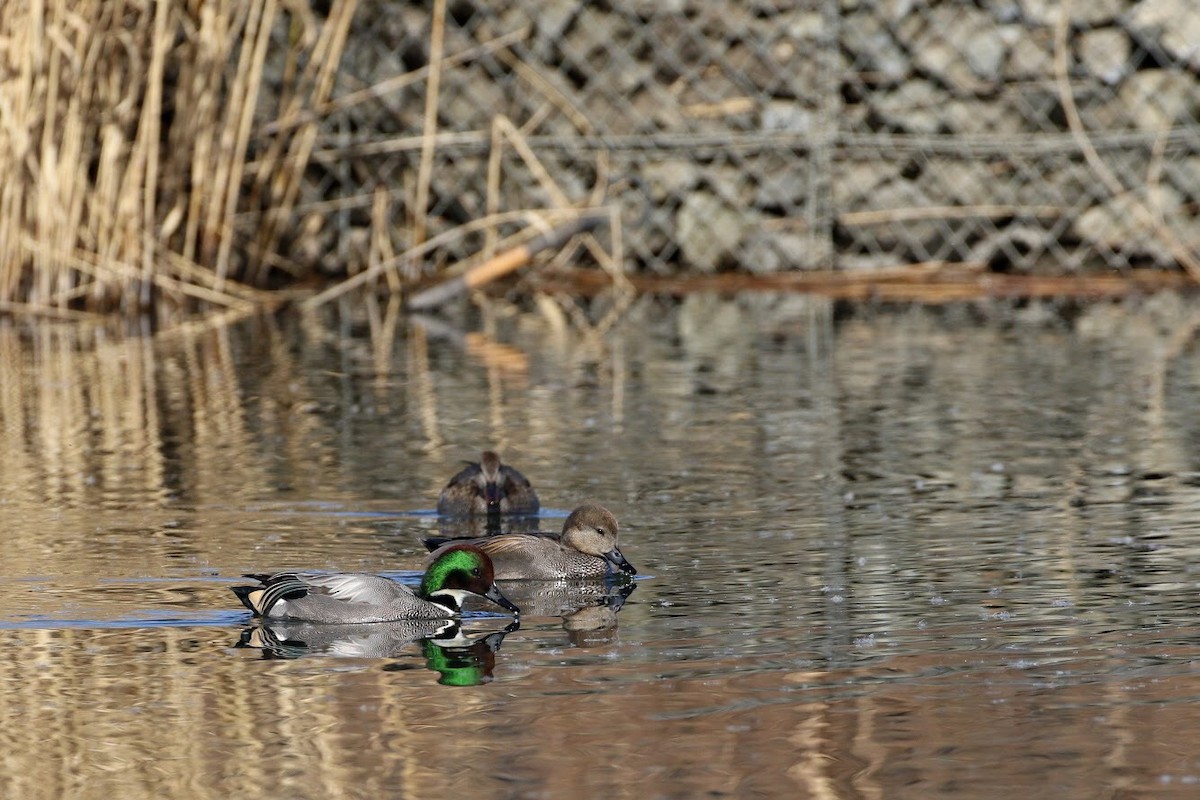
[{"x": 715, "y": 336}]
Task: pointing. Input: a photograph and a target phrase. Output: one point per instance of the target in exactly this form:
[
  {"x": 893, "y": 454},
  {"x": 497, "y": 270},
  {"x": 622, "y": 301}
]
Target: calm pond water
[{"x": 883, "y": 553}]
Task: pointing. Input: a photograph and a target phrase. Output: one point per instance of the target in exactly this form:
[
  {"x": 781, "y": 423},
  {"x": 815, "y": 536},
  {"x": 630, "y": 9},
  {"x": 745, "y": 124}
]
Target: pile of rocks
[{"x": 856, "y": 133}]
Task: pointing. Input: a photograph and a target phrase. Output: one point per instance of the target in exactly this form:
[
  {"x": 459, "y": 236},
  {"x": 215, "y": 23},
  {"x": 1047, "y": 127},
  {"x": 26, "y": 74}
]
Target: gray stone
[
  {"x": 855, "y": 181},
  {"x": 959, "y": 182},
  {"x": 1120, "y": 226},
  {"x": 1184, "y": 175},
  {"x": 1156, "y": 99},
  {"x": 1060, "y": 185},
  {"x": 1104, "y": 53},
  {"x": 1084, "y": 13},
  {"x": 873, "y": 49},
  {"x": 803, "y": 25},
  {"x": 730, "y": 182},
  {"x": 595, "y": 31},
  {"x": 1175, "y": 24},
  {"x": 669, "y": 177},
  {"x": 553, "y": 17},
  {"x": 985, "y": 51},
  {"x": 900, "y": 196},
  {"x": 663, "y": 7},
  {"x": 968, "y": 115},
  {"x": 784, "y": 188},
  {"x": 959, "y": 45},
  {"x": 709, "y": 231},
  {"x": 787, "y": 115},
  {"x": 1011, "y": 244},
  {"x": 914, "y": 107},
  {"x": 895, "y": 10},
  {"x": 778, "y": 251},
  {"x": 1030, "y": 56}
]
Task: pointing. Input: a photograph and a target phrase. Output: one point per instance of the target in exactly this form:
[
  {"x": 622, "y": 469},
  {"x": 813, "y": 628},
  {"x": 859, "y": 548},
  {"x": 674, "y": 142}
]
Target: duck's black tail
[
  {"x": 434, "y": 542},
  {"x": 271, "y": 589}
]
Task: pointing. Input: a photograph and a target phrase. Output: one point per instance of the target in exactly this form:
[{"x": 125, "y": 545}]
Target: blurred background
[{"x": 189, "y": 155}]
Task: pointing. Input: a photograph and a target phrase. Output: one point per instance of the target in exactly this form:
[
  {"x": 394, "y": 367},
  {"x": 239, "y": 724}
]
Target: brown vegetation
[{"x": 125, "y": 133}]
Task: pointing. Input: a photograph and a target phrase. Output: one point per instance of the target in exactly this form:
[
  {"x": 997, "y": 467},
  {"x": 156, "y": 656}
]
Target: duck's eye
[{"x": 476, "y": 572}]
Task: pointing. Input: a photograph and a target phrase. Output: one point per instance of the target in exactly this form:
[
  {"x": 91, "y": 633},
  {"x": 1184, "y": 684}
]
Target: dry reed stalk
[
  {"x": 413, "y": 253},
  {"x": 503, "y": 132},
  {"x": 315, "y": 86},
  {"x": 397, "y": 82},
  {"x": 236, "y": 131},
  {"x": 124, "y": 132},
  {"x": 381, "y": 248},
  {"x": 497, "y": 266},
  {"x": 437, "y": 39}
]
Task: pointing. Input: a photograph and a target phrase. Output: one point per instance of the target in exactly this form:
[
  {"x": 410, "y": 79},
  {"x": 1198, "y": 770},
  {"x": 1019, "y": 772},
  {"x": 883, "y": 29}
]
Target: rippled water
[{"x": 883, "y": 553}]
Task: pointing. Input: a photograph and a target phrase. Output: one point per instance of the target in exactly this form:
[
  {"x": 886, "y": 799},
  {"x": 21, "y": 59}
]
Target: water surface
[{"x": 883, "y": 553}]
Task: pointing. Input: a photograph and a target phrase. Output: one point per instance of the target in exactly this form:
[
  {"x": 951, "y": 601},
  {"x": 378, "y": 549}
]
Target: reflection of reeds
[{"x": 124, "y": 134}]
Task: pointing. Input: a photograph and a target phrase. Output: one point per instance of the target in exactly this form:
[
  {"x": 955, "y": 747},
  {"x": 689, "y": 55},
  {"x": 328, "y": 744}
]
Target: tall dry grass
[{"x": 125, "y": 131}]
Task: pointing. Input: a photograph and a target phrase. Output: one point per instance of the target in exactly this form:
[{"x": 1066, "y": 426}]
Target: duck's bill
[
  {"x": 499, "y": 599},
  {"x": 617, "y": 560}
]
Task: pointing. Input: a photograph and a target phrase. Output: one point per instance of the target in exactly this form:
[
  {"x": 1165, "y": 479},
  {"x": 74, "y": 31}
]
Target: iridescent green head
[{"x": 460, "y": 569}]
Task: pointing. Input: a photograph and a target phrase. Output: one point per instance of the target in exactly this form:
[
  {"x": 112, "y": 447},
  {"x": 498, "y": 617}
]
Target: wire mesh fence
[{"x": 770, "y": 135}]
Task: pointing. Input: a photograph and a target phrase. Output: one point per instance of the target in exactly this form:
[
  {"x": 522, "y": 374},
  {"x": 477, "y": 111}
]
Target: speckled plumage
[
  {"x": 586, "y": 548},
  {"x": 349, "y": 598},
  {"x": 488, "y": 487}
]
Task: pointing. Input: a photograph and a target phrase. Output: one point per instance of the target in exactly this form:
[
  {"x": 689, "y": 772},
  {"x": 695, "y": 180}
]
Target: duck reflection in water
[
  {"x": 588, "y": 609},
  {"x": 462, "y": 658},
  {"x": 481, "y": 527}
]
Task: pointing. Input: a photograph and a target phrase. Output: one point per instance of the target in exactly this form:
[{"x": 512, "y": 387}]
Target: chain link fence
[{"x": 1035, "y": 136}]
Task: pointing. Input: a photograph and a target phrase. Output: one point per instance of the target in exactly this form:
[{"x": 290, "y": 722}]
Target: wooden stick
[
  {"x": 503, "y": 263},
  {"x": 921, "y": 283}
]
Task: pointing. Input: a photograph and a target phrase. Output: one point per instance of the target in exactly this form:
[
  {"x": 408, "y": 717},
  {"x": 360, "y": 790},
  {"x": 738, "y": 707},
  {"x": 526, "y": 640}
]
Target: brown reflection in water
[
  {"x": 110, "y": 422},
  {"x": 150, "y": 453},
  {"x": 174, "y": 713}
]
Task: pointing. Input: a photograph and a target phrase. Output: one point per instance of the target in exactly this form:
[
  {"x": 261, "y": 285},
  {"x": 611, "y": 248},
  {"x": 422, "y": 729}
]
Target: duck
[
  {"x": 586, "y": 548},
  {"x": 488, "y": 487},
  {"x": 351, "y": 598}
]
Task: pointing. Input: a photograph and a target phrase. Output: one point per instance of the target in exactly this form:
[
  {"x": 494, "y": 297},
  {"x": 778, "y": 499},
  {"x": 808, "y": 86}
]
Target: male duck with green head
[{"x": 348, "y": 598}]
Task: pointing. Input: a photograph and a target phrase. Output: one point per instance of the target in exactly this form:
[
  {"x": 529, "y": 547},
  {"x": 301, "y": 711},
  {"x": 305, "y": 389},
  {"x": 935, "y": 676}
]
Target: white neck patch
[{"x": 459, "y": 595}]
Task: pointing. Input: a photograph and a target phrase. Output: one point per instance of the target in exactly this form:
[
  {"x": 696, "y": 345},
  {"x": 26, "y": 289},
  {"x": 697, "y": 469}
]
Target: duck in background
[{"x": 488, "y": 487}]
